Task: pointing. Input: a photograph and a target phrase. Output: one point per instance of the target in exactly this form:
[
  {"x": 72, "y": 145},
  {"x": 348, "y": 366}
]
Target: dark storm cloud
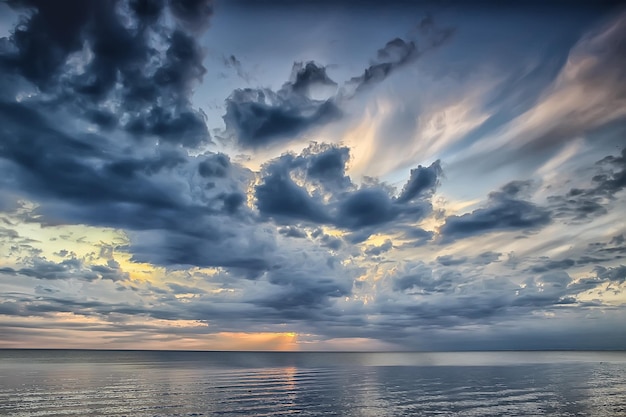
[
  {"x": 118, "y": 67},
  {"x": 191, "y": 13},
  {"x": 280, "y": 197},
  {"x": 147, "y": 83},
  {"x": 308, "y": 76},
  {"x": 44, "y": 41},
  {"x": 366, "y": 207},
  {"x": 83, "y": 184},
  {"x": 327, "y": 165},
  {"x": 216, "y": 242},
  {"x": 361, "y": 210},
  {"x": 504, "y": 211},
  {"x": 50, "y": 163},
  {"x": 214, "y": 165},
  {"x": 423, "y": 179},
  {"x": 261, "y": 117},
  {"x": 300, "y": 299}
]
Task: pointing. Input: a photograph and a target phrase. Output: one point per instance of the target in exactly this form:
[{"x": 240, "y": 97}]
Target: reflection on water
[{"x": 81, "y": 383}]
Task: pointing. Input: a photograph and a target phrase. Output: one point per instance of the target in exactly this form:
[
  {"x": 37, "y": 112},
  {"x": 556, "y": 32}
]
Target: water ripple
[{"x": 46, "y": 383}]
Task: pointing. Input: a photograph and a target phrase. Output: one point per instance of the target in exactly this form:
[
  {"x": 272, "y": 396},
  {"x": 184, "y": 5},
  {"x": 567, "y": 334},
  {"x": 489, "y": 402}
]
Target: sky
[{"x": 300, "y": 175}]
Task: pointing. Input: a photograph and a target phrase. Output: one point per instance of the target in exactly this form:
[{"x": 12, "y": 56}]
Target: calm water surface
[{"x": 121, "y": 383}]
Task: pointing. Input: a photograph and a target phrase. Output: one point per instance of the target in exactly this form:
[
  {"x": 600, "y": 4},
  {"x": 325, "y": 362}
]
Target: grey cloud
[
  {"x": 503, "y": 212},
  {"x": 395, "y": 54},
  {"x": 486, "y": 258},
  {"x": 232, "y": 62},
  {"x": 137, "y": 193},
  {"x": 331, "y": 242},
  {"x": 71, "y": 268},
  {"x": 278, "y": 196},
  {"x": 614, "y": 180},
  {"x": 583, "y": 204},
  {"x": 223, "y": 244},
  {"x": 335, "y": 200},
  {"x": 291, "y": 231},
  {"x": 192, "y": 13},
  {"x": 380, "y": 249},
  {"x": 420, "y": 278},
  {"x": 258, "y": 118},
  {"x": 417, "y": 237},
  {"x": 307, "y": 76},
  {"x": 613, "y": 274},
  {"x": 148, "y": 89},
  {"x": 214, "y": 165},
  {"x": 399, "y": 52},
  {"x": 184, "y": 289},
  {"x": 327, "y": 165},
  {"x": 450, "y": 260},
  {"x": 137, "y": 78},
  {"x": 366, "y": 207},
  {"x": 551, "y": 265},
  {"x": 422, "y": 180}
]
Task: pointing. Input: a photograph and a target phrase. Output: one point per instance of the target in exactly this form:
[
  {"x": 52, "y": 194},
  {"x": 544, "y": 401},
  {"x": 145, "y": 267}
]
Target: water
[{"x": 109, "y": 383}]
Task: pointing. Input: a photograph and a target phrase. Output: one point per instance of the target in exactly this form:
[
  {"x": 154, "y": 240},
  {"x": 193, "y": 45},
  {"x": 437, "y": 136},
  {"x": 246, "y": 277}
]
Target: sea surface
[{"x": 148, "y": 383}]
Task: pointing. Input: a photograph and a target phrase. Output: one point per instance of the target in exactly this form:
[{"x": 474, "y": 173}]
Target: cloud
[
  {"x": 449, "y": 260},
  {"x": 422, "y": 180},
  {"x": 231, "y": 61},
  {"x": 261, "y": 118},
  {"x": 587, "y": 94},
  {"x": 380, "y": 249},
  {"x": 70, "y": 268},
  {"x": 291, "y": 231},
  {"x": 280, "y": 197},
  {"x": 97, "y": 131},
  {"x": 613, "y": 274},
  {"x": 552, "y": 265},
  {"x": 504, "y": 211},
  {"x": 487, "y": 258},
  {"x": 399, "y": 52},
  {"x": 366, "y": 207},
  {"x": 114, "y": 66},
  {"x": 325, "y": 195},
  {"x": 102, "y": 138},
  {"x": 583, "y": 204},
  {"x": 258, "y": 118},
  {"x": 191, "y": 13}
]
